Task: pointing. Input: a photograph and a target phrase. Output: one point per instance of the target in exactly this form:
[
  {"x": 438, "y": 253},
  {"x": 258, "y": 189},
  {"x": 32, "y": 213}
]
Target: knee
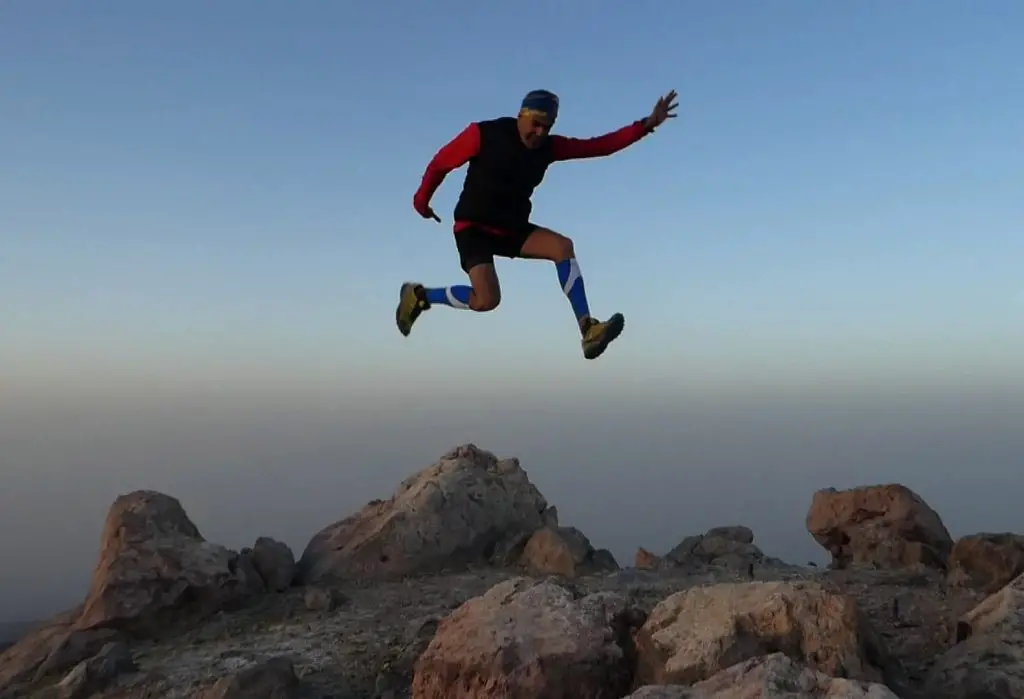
[
  {"x": 564, "y": 249},
  {"x": 484, "y": 301}
]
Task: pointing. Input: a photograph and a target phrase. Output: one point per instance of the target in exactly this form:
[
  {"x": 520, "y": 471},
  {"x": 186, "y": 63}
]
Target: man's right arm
[{"x": 451, "y": 156}]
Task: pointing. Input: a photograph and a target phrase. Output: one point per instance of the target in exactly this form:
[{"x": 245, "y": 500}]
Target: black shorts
[{"x": 479, "y": 246}]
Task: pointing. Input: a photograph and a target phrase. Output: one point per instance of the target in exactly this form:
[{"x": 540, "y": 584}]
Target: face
[{"x": 534, "y": 128}]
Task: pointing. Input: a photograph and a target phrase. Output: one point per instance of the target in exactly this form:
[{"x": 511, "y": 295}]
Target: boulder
[
  {"x": 564, "y": 551},
  {"x": 155, "y": 566},
  {"x": 323, "y": 599},
  {"x": 731, "y": 546},
  {"x": 885, "y": 526},
  {"x": 989, "y": 661},
  {"x": 531, "y": 639},
  {"x": 275, "y": 563},
  {"x": 734, "y": 532},
  {"x": 694, "y": 634},
  {"x": 775, "y": 676},
  {"x": 986, "y": 561},
  {"x": 468, "y": 508}
]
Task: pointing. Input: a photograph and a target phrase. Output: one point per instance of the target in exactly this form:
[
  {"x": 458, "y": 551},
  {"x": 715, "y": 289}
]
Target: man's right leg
[{"x": 477, "y": 260}]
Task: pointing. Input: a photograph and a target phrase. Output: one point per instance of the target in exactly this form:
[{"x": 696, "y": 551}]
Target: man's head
[{"x": 537, "y": 115}]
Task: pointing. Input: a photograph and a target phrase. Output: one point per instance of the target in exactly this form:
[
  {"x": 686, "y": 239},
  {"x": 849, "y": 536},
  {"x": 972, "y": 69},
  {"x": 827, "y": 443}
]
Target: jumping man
[{"x": 507, "y": 160}]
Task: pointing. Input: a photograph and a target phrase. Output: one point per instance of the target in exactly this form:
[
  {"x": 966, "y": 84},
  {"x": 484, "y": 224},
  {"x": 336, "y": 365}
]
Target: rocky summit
[{"x": 465, "y": 585}]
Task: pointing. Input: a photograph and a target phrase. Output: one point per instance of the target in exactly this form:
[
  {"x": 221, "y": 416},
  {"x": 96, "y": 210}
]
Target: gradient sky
[{"x": 205, "y": 216}]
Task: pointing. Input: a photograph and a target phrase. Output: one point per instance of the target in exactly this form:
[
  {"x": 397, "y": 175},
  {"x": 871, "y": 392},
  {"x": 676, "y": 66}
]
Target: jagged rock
[
  {"x": 989, "y": 662},
  {"x": 526, "y": 638},
  {"x": 645, "y": 560},
  {"x": 155, "y": 566},
  {"x": 986, "y": 561},
  {"x": 564, "y": 551},
  {"x": 22, "y": 661},
  {"x": 275, "y": 563},
  {"x": 696, "y": 633},
  {"x": 603, "y": 561},
  {"x": 774, "y": 676},
  {"x": 886, "y": 526},
  {"x": 93, "y": 675},
  {"x": 465, "y": 509},
  {"x": 273, "y": 678}
]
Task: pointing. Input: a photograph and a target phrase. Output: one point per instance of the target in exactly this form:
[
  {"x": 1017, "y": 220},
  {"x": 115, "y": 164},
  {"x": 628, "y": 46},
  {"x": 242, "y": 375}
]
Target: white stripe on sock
[
  {"x": 452, "y": 300},
  {"x": 574, "y": 274}
]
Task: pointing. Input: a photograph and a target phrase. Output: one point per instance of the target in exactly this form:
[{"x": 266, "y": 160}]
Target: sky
[{"x": 205, "y": 217}]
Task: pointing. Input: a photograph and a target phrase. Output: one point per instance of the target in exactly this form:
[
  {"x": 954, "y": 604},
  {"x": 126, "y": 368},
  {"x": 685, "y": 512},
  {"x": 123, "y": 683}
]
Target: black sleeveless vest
[{"x": 502, "y": 176}]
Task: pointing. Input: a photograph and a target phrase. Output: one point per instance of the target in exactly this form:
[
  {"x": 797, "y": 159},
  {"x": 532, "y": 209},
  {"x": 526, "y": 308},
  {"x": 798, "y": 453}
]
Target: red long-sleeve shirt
[{"x": 466, "y": 145}]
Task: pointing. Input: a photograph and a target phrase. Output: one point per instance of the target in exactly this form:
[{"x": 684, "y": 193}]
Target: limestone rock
[
  {"x": 465, "y": 509},
  {"x": 774, "y": 676},
  {"x": 275, "y": 563},
  {"x": 526, "y": 638},
  {"x": 986, "y": 561},
  {"x": 887, "y": 526},
  {"x": 990, "y": 661},
  {"x": 563, "y": 551},
  {"x": 154, "y": 565},
  {"x": 699, "y": 632}
]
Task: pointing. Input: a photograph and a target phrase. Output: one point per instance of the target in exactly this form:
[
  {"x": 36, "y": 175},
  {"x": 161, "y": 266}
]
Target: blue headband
[{"x": 542, "y": 101}]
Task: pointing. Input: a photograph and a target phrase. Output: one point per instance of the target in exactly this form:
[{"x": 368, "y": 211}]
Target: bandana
[{"x": 542, "y": 103}]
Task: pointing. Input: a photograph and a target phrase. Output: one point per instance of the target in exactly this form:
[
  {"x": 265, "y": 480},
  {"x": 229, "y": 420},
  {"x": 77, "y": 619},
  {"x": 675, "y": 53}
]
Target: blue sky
[
  {"x": 205, "y": 217},
  {"x": 198, "y": 190}
]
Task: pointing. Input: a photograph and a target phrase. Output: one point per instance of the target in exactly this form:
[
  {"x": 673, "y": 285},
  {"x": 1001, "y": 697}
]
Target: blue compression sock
[
  {"x": 454, "y": 296},
  {"x": 572, "y": 286}
]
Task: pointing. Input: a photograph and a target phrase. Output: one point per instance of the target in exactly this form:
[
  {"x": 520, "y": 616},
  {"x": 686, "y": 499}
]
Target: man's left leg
[{"x": 545, "y": 244}]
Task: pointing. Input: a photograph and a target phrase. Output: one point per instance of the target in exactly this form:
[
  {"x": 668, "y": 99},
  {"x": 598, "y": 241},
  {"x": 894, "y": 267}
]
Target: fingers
[
  {"x": 426, "y": 211},
  {"x": 666, "y": 105}
]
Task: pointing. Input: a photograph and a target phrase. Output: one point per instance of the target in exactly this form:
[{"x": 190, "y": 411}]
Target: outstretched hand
[{"x": 663, "y": 109}]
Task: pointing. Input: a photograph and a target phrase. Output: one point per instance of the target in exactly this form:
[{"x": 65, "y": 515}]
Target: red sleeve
[
  {"x": 451, "y": 156},
  {"x": 566, "y": 148}
]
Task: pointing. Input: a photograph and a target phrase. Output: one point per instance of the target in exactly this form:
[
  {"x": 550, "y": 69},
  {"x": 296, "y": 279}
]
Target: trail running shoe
[
  {"x": 412, "y": 301},
  {"x": 598, "y": 335}
]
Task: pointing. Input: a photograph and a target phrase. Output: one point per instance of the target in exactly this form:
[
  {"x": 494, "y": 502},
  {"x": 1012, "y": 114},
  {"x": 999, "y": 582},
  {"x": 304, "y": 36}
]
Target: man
[{"x": 507, "y": 160}]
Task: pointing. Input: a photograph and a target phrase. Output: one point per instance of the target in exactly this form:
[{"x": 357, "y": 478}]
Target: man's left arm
[
  {"x": 568, "y": 148},
  {"x": 565, "y": 148}
]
